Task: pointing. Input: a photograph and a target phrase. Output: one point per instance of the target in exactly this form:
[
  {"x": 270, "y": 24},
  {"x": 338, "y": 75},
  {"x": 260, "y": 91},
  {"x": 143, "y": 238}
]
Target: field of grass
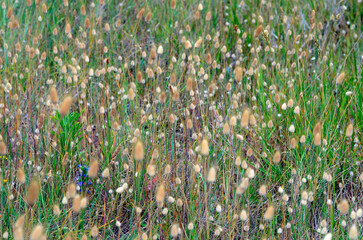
[{"x": 162, "y": 119}]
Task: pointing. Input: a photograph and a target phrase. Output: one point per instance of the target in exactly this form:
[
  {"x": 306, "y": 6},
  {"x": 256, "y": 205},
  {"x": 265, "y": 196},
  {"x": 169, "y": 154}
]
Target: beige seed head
[
  {"x": 76, "y": 203},
  {"x": 93, "y": 169},
  {"x": 94, "y": 231},
  {"x": 160, "y": 195},
  {"x": 33, "y": 192},
  {"x": 72, "y": 190},
  {"x": 56, "y": 210},
  {"x": 106, "y": 173},
  {"x": 174, "y": 231},
  {"x": 349, "y": 131},
  {"x": 3, "y": 149},
  {"x": 238, "y": 72},
  {"x": 353, "y": 232},
  {"x": 204, "y": 146},
  {"x": 66, "y": 105},
  {"x": 226, "y": 128},
  {"x": 262, "y": 190},
  {"x": 340, "y": 78},
  {"x": 139, "y": 151},
  {"x": 20, "y": 222},
  {"x": 245, "y": 118},
  {"x": 269, "y": 214},
  {"x": 212, "y": 175},
  {"x": 37, "y": 232},
  {"x": 53, "y": 95},
  {"x": 18, "y": 234},
  {"x": 317, "y": 139},
  {"x": 277, "y": 157},
  {"x": 21, "y": 176},
  {"x": 84, "y": 202},
  {"x": 343, "y": 207}
]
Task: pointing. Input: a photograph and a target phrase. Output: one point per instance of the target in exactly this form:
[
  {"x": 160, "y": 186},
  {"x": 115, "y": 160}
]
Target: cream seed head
[{"x": 212, "y": 175}]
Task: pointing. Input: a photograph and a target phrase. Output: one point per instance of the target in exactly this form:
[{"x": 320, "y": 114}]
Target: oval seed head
[
  {"x": 3, "y": 149},
  {"x": 20, "y": 222},
  {"x": 173, "y": 4},
  {"x": 353, "y": 232},
  {"x": 33, "y": 192},
  {"x": 131, "y": 94},
  {"x": 174, "y": 231},
  {"x": 189, "y": 123},
  {"x": 139, "y": 151},
  {"x": 340, "y": 78},
  {"x": 160, "y": 195},
  {"x": 84, "y": 202},
  {"x": 262, "y": 190},
  {"x": 238, "y": 72},
  {"x": 343, "y": 207},
  {"x": 66, "y": 105},
  {"x": 317, "y": 139},
  {"x": 94, "y": 231},
  {"x": 317, "y": 129},
  {"x": 349, "y": 131},
  {"x": 277, "y": 157},
  {"x": 37, "y": 232},
  {"x": 76, "y": 203},
  {"x": 21, "y": 176},
  {"x": 18, "y": 234},
  {"x": 140, "y": 14},
  {"x": 72, "y": 190},
  {"x": 269, "y": 214},
  {"x": 258, "y": 31},
  {"x": 106, "y": 173},
  {"x": 53, "y": 95},
  {"x": 226, "y": 128},
  {"x": 245, "y": 118},
  {"x": 93, "y": 169},
  {"x": 212, "y": 175},
  {"x": 233, "y": 121},
  {"x": 204, "y": 147},
  {"x": 56, "y": 210}
]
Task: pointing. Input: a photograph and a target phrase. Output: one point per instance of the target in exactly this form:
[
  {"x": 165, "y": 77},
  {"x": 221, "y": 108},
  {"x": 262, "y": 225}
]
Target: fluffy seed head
[
  {"x": 174, "y": 231},
  {"x": 139, "y": 151},
  {"x": 106, "y": 173},
  {"x": 56, "y": 210},
  {"x": 349, "y": 131},
  {"x": 212, "y": 175},
  {"x": 76, "y": 203},
  {"x": 20, "y": 176},
  {"x": 72, "y": 190},
  {"x": 2, "y": 148},
  {"x": 94, "y": 231},
  {"x": 238, "y": 72},
  {"x": 245, "y": 118},
  {"x": 53, "y": 95},
  {"x": 33, "y": 192},
  {"x": 277, "y": 157},
  {"x": 343, "y": 207},
  {"x": 37, "y": 232},
  {"x": 204, "y": 147},
  {"x": 93, "y": 169},
  {"x": 269, "y": 214},
  {"x": 317, "y": 139},
  {"x": 66, "y": 105},
  {"x": 353, "y": 232},
  {"x": 258, "y": 31},
  {"x": 160, "y": 195},
  {"x": 340, "y": 78}
]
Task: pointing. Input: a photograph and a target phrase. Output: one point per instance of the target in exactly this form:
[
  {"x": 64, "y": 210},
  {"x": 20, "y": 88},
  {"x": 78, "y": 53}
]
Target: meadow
[{"x": 179, "y": 119}]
